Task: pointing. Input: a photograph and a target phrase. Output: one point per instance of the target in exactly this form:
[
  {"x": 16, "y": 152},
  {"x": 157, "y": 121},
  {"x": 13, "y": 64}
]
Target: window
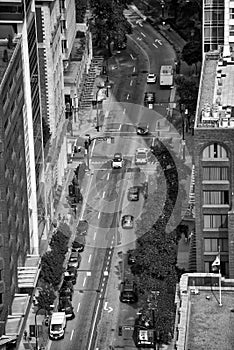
[
  {"x": 215, "y": 173},
  {"x": 231, "y": 30},
  {"x": 231, "y": 13},
  {"x": 212, "y": 245},
  {"x": 215, "y": 221},
  {"x": 214, "y": 151},
  {"x": 215, "y": 197}
]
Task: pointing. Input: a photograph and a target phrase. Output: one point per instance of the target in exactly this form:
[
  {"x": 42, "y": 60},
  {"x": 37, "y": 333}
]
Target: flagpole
[{"x": 220, "y": 294}]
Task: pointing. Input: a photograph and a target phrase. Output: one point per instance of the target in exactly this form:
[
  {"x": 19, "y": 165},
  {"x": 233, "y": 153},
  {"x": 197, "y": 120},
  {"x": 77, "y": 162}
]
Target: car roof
[{"x": 118, "y": 155}]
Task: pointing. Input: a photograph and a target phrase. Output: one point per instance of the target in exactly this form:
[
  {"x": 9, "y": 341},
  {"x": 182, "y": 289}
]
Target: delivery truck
[
  {"x": 57, "y": 325},
  {"x": 166, "y": 76}
]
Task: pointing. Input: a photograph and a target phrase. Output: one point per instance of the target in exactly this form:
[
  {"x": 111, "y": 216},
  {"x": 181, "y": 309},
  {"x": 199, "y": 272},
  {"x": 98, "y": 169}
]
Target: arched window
[{"x": 214, "y": 151}]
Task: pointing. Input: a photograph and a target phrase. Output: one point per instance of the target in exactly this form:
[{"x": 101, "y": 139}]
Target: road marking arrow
[{"x": 107, "y": 308}]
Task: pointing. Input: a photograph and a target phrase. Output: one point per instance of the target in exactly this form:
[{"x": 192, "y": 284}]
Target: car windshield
[
  {"x": 55, "y": 327},
  {"x": 117, "y": 159},
  {"x": 141, "y": 155}
]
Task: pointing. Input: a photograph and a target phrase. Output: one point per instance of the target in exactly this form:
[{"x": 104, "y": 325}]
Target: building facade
[
  {"x": 213, "y": 24},
  {"x": 14, "y": 210}
]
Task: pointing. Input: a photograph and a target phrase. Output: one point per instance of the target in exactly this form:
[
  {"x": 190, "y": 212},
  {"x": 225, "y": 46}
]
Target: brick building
[{"x": 214, "y": 164}]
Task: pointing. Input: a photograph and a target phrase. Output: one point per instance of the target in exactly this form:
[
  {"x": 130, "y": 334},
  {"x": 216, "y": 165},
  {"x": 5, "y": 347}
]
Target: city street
[{"x": 98, "y": 312}]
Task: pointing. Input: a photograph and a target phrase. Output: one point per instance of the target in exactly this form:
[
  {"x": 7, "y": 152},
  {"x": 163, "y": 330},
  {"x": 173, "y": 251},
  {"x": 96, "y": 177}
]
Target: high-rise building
[
  {"x": 214, "y": 155},
  {"x": 15, "y": 240},
  {"x": 213, "y": 24}
]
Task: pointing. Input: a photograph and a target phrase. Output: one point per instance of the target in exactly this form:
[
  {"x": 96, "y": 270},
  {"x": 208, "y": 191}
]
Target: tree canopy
[{"x": 108, "y": 23}]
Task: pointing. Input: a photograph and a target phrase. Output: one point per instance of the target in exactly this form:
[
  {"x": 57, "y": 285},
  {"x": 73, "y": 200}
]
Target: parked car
[
  {"x": 151, "y": 78},
  {"x": 133, "y": 193},
  {"x": 127, "y": 221},
  {"x": 143, "y": 129},
  {"x": 82, "y": 227},
  {"x": 66, "y": 306},
  {"x": 117, "y": 162},
  {"x": 78, "y": 244},
  {"x": 141, "y": 156},
  {"x": 74, "y": 260},
  {"x": 71, "y": 274}
]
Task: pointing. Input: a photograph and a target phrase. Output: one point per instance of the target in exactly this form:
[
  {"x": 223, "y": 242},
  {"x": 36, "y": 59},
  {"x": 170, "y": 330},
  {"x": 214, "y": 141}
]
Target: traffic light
[
  {"x": 32, "y": 330},
  {"x": 86, "y": 144}
]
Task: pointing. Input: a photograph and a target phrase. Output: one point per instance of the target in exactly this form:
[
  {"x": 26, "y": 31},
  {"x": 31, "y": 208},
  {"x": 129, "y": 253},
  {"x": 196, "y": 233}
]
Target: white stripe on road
[
  {"x": 134, "y": 68},
  {"x": 90, "y": 256},
  {"x": 94, "y": 323},
  {"x": 99, "y": 214},
  {"x": 72, "y": 332},
  {"x": 94, "y": 236},
  {"x": 128, "y": 96},
  {"x": 78, "y": 307},
  {"x": 155, "y": 45},
  {"x": 143, "y": 34},
  {"x": 103, "y": 195},
  {"x": 123, "y": 113},
  {"x": 108, "y": 176},
  {"x": 84, "y": 281},
  {"x": 131, "y": 83},
  {"x": 133, "y": 58}
]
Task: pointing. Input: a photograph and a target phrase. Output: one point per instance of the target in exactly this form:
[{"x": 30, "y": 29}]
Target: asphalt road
[{"x": 106, "y": 201}]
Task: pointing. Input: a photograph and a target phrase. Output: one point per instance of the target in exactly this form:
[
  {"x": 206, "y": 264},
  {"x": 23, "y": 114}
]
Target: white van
[{"x": 57, "y": 325}]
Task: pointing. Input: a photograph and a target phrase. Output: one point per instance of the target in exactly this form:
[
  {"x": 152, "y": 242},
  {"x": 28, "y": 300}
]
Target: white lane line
[
  {"x": 99, "y": 214},
  {"x": 128, "y": 96},
  {"x": 94, "y": 323},
  {"x": 155, "y": 45},
  {"x": 133, "y": 58},
  {"x": 103, "y": 195},
  {"x": 134, "y": 69},
  {"x": 131, "y": 83},
  {"x": 108, "y": 176},
  {"x": 123, "y": 113},
  {"x": 94, "y": 236},
  {"x": 78, "y": 307},
  {"x": 90, "y": 257},
  {"x": 72, "y": 332},
  {"x": 84, "y": 281},
  {"x": 143, "y": 34}
]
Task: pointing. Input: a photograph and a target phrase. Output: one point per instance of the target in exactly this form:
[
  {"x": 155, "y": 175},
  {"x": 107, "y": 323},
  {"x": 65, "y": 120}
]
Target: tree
[
  {"x": 187, "y": 90},
  {"x": 108, "y": 23},
  {"x": 192, "y": 53},
  {"x": 46, "y": 297}
]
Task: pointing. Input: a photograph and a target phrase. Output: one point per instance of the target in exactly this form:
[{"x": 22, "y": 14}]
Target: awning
[{"x": 28, "y": 274}]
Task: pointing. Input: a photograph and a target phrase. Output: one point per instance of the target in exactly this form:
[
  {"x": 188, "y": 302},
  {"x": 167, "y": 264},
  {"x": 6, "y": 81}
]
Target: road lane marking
[
  {"x": 72, "y": 332},
  {"x": 133, "y": 58},
  {"x": 143, "y": 34},
  {"x": 94, "y": 323},
  {"x": 123, "y": 113},
  {"x": 78, "y": 307},
  {"x": 90, "y": 257},
  {"x": 103, "y": 195},
  {"x": 134, "y": 68},
  {"x": 108, "y": 176},
  {"x": 128, "y": 96},
  {"x": 131, "y": 83},
  {"x": 155, "y": 45},
  {"x": 84, "y": 281},
  {"x": 99, "y": 214},
  {"x": 94, "y": 236}
]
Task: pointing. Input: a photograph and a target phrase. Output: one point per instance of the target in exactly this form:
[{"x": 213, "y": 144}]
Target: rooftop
[
  {"x": 201, "y": 323},
  {"x": 216, "y": 93},
  {"x": 211, "y": 326}
]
